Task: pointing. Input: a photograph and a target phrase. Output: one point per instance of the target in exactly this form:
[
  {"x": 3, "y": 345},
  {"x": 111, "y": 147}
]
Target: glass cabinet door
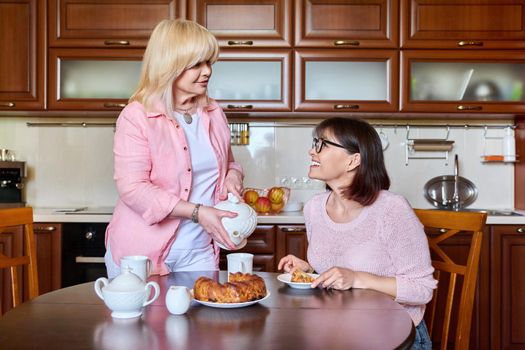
[
  {"x": 471, "y": 81},
  {"x": 252, "y": 81},
  {"x": 93, "y": 79},
  {"x": 345, "y": 80}
]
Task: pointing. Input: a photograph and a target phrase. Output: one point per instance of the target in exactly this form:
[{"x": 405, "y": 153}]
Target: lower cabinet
[
  {"x": 48, "y": 241},
  {"x": 507, "y": 283}
]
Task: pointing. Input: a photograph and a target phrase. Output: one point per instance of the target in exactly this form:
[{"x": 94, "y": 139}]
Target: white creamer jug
[
  {"x": 178, "y": 300},
  {"x": 242, "y": 226}
]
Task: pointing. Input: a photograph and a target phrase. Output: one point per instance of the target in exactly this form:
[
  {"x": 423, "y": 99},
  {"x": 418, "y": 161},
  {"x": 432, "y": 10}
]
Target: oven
[{"x": 83, "y": 252}]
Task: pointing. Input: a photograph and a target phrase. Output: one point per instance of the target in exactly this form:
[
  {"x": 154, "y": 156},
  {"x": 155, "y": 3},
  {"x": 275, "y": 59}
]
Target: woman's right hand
[
  {"x": 210, "y": 219},
  {"x": 290, "y": 263}
]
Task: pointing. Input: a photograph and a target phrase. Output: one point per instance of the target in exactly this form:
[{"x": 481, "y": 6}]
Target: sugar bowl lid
[{"x": 127, "y": 281}]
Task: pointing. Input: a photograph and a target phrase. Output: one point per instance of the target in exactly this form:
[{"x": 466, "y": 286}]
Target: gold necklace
[{"x": 185, "y": 114}]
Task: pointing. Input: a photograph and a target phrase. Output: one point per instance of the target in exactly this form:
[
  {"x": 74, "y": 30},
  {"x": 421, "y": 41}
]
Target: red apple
[
  {"x": 250, "y": 197},
  {"x": 277, "y": 207},
  {"x": 276, "y": 195},
  {"x": 263, "y": 205}
]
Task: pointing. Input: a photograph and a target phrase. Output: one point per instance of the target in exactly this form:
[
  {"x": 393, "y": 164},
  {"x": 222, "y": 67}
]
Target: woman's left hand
[
  {"x": 232, "y": 184},
  {"x": 336, "y": 278}
]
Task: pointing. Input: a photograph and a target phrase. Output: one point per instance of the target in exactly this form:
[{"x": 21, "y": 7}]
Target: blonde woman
[{"x": 173, "y": 159}]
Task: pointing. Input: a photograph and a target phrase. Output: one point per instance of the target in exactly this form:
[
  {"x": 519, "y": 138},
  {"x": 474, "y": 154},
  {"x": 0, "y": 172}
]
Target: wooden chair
[
  {"x": 22, "y": 217},
  {"x": 444, "y": 225}
]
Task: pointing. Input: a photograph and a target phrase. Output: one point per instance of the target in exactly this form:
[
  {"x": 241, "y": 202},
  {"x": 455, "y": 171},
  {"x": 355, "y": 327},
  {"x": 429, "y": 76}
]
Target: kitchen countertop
[{"x": 103, "y": 214}]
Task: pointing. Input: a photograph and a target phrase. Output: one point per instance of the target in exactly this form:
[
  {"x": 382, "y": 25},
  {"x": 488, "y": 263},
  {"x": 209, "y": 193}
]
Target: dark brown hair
[{"x": 357, "y": 136}]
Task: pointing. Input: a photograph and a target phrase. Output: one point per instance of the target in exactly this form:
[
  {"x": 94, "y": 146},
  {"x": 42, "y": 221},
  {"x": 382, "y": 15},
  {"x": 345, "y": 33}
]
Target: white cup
[
  {"x": 140, "y": 265},
  {"x": 240, "y": 262}
]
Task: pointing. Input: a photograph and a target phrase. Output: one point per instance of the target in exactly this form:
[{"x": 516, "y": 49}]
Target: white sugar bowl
[
  {"x": 127, "y": 294},
  {"x": 242, "y": 226}
]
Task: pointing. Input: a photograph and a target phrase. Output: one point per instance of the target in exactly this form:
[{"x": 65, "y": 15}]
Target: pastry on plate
[
  {"x": 241, "y": 288},
  {"x": 299, "y": 276}
]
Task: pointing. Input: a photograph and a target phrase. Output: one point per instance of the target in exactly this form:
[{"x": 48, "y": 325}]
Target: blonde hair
[{"x": 174, "y": 46}]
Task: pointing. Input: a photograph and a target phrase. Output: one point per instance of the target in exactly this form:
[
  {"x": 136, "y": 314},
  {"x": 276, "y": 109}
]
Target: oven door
[{"x": 83, "y": 252}]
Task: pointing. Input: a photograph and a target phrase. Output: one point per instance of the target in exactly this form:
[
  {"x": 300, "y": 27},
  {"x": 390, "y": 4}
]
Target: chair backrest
[
  {"x": 444, "y": 225},
  {"x": 20, "y": 217}
]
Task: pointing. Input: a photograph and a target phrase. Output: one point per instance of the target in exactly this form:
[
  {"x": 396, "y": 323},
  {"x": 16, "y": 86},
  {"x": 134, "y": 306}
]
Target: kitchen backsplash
[{"x": 73, "y": 166}]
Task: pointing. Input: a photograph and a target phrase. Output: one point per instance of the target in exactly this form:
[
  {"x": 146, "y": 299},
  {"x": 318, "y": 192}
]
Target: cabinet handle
[
  {"x": 346, "y": 106},
  {"x": 240, "y": 42},
  {"x": 7, "y": 104},
  {"x": 520, "y": 230},
  {"x": 116, "y": 42},
  {"x": 470, "y": 43},
  {"x": 346, "y": 42},
  {"x": 469, "y": 108},
  {"x": 240, "y": 106},
  {"x": 45, "y": 228},
  {"x": 293, "y": 229},
  {"x": 114, "y": 105},
  {"x": 443, "y": 230}
]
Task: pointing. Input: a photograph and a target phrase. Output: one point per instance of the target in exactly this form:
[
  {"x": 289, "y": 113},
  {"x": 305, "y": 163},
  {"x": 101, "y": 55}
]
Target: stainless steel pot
[{"x": 450, "y": 191}]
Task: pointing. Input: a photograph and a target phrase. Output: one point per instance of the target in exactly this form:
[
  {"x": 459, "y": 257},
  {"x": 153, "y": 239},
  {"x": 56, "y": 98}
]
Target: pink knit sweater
[{"x": 386, "y": 239}]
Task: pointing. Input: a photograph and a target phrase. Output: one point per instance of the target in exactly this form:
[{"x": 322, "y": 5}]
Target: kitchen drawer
[{"x": 261, "y": 241}]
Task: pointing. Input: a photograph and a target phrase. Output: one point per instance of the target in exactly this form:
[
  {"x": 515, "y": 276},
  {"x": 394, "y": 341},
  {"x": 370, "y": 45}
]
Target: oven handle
[{"x": 89, "y": 260}]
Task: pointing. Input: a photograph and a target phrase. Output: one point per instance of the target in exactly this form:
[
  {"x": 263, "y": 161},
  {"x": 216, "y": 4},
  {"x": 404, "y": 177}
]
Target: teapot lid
[
  {"x": 127, "y": 281},
  {"x": 243, "y": 210}
]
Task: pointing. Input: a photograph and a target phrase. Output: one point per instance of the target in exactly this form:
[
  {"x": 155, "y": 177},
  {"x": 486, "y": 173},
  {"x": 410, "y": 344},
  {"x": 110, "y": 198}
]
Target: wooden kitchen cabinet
[
  {"x": 346, "y": 80},
  {"x": 92, "y": 79},
  {"x": 252, "y": 80},
  {"x": 249, "y": 23},
  {"x": 452, "y": 81},
  {"x": 463, "y": 24},
  {"x": 108, "y": 23},
  {"x": 22, "y": 63},
  {"x": 291, "y": 239},
  {"x": 507, "y": 285},
  {"x": 48, "y": 241},
  {"x": 346, "y": 23}
]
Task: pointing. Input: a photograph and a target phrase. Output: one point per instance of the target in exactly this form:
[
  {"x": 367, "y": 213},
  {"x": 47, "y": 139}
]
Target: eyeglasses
[{"x": 318, "y": 143}]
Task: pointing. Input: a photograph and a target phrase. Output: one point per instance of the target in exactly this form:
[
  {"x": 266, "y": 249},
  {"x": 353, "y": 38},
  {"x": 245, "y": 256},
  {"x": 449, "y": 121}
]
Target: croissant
[
  {"x": 301, "y": 277},
  {"x": 241, "y": 288}
]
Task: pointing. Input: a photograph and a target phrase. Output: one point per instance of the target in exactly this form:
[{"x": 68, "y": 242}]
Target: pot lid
[
  {"x": 440, "y": 191},
  {"x": 127, "y": 281}
]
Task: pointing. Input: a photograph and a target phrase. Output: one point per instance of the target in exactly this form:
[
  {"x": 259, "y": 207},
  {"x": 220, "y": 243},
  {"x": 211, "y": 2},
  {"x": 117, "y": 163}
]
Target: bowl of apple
[{"x": 267, "y": 201}]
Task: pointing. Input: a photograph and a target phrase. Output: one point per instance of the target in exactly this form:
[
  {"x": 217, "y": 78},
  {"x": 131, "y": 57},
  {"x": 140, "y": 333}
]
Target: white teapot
[
  {"x": 240, "y": 227},
  {"x": 127, "y": 294}
]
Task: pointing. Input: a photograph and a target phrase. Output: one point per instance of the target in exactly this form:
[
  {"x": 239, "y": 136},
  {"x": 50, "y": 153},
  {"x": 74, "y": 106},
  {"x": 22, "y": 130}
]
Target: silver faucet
[{"x": 455, "y": 196}]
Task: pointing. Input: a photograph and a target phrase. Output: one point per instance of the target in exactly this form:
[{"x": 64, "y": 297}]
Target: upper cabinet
[
  {"x": 346, "y": 23},
  {"x": 463, "y": 24},
  {"x": 107, "y": 23},
  {"x": 489, "y": 81},
  {"x": 22, "y": 62},
  {"x": 249, "y": 23}
]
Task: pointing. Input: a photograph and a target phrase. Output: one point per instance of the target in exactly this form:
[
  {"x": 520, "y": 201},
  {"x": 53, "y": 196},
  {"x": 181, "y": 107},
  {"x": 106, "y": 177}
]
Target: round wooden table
[{"x": 75, "y": 318}]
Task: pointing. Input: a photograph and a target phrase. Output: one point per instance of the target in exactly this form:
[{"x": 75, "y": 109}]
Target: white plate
[
  {"x": 231, "y": 305},
  {"x": 286, "y": 278},
  {"x": 240, "y": 246}
]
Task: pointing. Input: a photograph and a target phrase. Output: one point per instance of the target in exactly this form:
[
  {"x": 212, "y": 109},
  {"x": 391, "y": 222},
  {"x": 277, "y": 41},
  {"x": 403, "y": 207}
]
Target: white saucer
[
  {"x": 287, "y": 278},
  {"x": 240, "y": 246},
  {"x": 231, "y": 305}
]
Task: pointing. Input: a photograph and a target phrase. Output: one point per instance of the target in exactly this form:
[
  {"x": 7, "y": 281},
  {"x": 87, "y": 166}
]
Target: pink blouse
[
  {"x": 152, "y": 174},
  {"x": 386, "y": 239}
]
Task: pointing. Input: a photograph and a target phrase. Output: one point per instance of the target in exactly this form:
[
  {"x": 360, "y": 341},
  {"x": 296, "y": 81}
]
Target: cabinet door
[
  {"x": 453, "y": 81},
  {"x": 48, "y": 239},
  {"x": 250, "y": 23},
  {"x": 96, "y": 79},
  {"x": 22, "y": 62},
  {"x": 507, "y": 285},
  {"x": 291, "y": 239},
  {"x": 346, "y": 23},
  {"x": 103, "y": 23},
  {"x": 346, "y": 80},
  {"x": 457, "y": 248},
  {"x": 252, "y": 80},
  {"x": 463, "y": 24}
]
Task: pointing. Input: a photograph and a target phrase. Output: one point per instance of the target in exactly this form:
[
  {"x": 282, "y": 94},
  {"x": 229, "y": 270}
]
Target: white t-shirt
[{"x": 205, "y": 172}]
